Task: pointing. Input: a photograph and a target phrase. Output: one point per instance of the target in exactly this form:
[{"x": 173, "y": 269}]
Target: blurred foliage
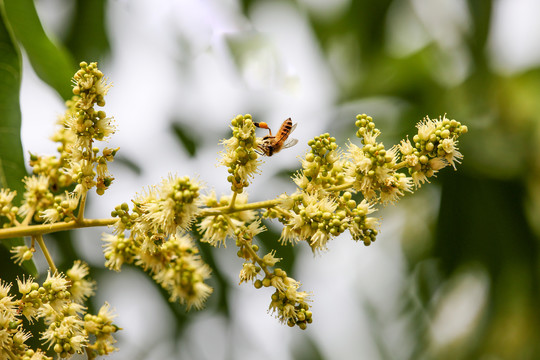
[
  {"x": 489, "y": 215},
  {"x": 482, "y": 217},
  {"x": 186, "y": 136},
  {"x": 12, "y": 169},
  {"x": 51, "y": 62},
  {"x": 87, "y": 38},
  {"x": 490, "y": 208}
]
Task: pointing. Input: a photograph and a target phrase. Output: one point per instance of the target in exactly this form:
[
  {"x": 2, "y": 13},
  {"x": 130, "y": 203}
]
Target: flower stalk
[
  {"x": 39, "y": 240},
  {"x": 80, "y": 215}
]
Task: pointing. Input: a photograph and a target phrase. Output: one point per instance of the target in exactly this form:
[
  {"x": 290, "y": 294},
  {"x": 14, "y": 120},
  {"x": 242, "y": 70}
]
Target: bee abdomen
[{"x": 286, "y": 127}]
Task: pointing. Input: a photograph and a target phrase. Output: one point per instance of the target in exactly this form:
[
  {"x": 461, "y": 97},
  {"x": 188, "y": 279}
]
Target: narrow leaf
[
  {"x": 92, "y": 43},
  {"x": 186, "y": 137},
  {"x": 51, "y": 62},
  {"x": 12, "y": 169}
]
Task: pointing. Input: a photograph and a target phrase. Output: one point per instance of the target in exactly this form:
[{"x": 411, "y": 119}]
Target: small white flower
[
  {"x": 419, "y": 178},
  {"x": 270, "y": 259},
  {"x": 216, "y": 229},
  {"x": 21, "y": 253},
  {"x": 452, "y": 154},
  {"x": 80, "y": 289},
  {"x": 437, "y": 164},
  {"x": 6, "y": 197},
  {"x": 37, "y": 187},
  {"x": 412, "y": 160},
  {"x": 7, "y": 304},
  {"x": 301, "y": 180},
  {"x": 405, "y": 147},
  {"x": 370, "y": 137},
  {"x": 426, "y": 127},
  {"x": 248, "y": 272},
  {"x": 50, "y": 216},
  {"x": 318, "y": 241},
  {"x": 173, "y": 205},
  {"x": 106, "y": 313},
  {"x": 25, "y": 285},
  {"x": 117, "y": 250}
]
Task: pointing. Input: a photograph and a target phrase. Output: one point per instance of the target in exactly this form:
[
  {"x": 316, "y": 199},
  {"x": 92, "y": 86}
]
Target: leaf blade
[
  {"x": 51, "y": 62},
  {"x": 12, "y": 169}
]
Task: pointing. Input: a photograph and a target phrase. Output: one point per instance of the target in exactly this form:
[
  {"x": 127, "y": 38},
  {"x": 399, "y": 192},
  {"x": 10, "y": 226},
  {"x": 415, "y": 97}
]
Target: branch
[
  {"x": 30, "y": 230},
  {"x": 228, "y": 210}
]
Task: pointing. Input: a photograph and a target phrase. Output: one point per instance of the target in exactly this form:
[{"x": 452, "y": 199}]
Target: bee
[{"x": 273, "y": 144}]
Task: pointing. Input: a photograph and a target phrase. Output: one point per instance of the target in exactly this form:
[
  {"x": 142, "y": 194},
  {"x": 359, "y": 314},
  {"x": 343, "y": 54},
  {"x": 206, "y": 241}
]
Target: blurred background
[{"x": 455, "y": 271}]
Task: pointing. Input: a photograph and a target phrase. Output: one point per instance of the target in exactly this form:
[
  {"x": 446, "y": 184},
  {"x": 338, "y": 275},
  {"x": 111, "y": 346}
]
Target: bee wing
[
  {"x": 292, "y": 129},
  {"x": 289, "y": 143}
]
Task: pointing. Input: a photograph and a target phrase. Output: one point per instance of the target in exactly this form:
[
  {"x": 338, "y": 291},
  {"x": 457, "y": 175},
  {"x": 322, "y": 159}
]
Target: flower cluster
[
  {"x": 88, "y": 124},
  {"x": 320, "y": 210},
  {"x": 8, "y": 212},
  {"x": 62, "y": 209},
  {"x": 372, "y": 168},
  {"x": 37, "y": 197},
  {"x": 323, "y": 166},
  {"x": 102, "y": 327},
  {"x": 290, "y": 305},
  {"x": 50, "y": 193},
  {"x": 435, "y": 147},
  {"x": 153, "y": 236},
  {"x": 337, "y": 192},
  {"x": 318, "y": 217},
  {"x": 217, "y": 228},
  {"x": 240, "y": 156},
  {"x": 58, "y": 302},
  {"x": 165, "y": 208}
]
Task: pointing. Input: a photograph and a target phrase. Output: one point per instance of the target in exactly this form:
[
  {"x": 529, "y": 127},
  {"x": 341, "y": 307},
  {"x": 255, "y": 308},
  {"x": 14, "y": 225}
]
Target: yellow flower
[
  {"x": 248, "y": 272},
  {"x": 81, "y": 288},
  {"x": 168, "y": 207},
  {"x": 179, "y": 269},
  {"x": 102, "y": 327},
  {"x": 118, "y": 250},
  {"x": 21, "y": 253},
  {"x": 452, "y": 154},
  {"x": 427, "y": 127}
]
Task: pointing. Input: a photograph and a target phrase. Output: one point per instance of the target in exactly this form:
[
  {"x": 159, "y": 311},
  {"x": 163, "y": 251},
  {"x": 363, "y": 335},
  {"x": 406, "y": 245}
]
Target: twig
[
  {"x": 30, "y": 230},
  {"x": 43, "y": 247},
  {"x": 80, "y": 215},
  {"x": 231, "y": 206}
]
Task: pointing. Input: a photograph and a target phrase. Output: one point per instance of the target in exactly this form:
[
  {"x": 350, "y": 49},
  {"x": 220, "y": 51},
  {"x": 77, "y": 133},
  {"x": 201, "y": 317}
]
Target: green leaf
[
  {"x": 11, "y": 156},
  {"x": 221, "y": 285},
  {"x": 186, "y": 137},
  {"x": 270, "y": 240},
  {"x": 51, "y": 62},
  {"x": 129, "y": 163},
  {"x": 286, "y": 174},
  {"x": 12, "y": 169},
  {"x": 92, "y": 43}
]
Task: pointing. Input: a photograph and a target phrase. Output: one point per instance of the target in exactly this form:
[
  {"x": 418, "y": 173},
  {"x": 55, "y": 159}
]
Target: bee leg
[{"x": 263, "y": 125}]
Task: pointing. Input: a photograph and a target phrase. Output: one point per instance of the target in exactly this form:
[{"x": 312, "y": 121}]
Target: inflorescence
[{"x": 338, "y": 191}]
